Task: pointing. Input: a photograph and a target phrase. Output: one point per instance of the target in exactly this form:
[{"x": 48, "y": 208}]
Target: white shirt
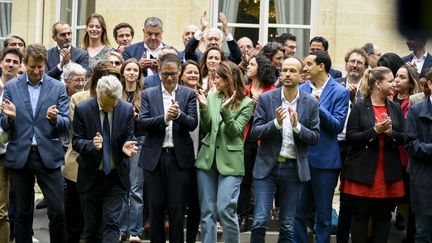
[
  {"x": 154, "y": 54},
  {"x": 288, "y": 148},
  {"x": 199, "y": 34},
  {"x": 419, "y": 61},
  {"x": 167, "y": 101},
  {"x": 342, "y": 135},
  {"x": 319, "y": 91}
]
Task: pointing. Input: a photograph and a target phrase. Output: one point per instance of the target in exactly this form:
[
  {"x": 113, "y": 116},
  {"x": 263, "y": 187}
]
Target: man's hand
[
  {"x": 224, "y": 22},
  {"x": 66, "y": 56},
  {"x": 204, "y": 21},
  {"x": 8, "y": 108},
  {"x": 148, "y": 63},
  {"x": 173, "y": 111},
  {"x": 52, "y": 113},
  {"x": 130, "y": 148},
  {"x": 352, "y": 88},
  {"x": 281, "y": 113},
  {"x": 121, "y": 48},
  {"x": 293, "y": 117},
  {"x": 98, "y": 141}
]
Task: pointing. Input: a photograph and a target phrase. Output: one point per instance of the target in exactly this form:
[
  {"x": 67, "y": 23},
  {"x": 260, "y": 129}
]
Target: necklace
[{"x": 130, "y": 96}]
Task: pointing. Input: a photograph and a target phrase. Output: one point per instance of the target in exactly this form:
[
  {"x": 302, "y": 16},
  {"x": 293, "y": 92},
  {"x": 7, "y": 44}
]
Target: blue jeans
[
  {"x": 131, "y": 219},
  {"x": 284, "y": 176},
  {"x": 317, "y": 194},
  {"x": 218, "y": 196},
  {"x": 423, "y": 228}
]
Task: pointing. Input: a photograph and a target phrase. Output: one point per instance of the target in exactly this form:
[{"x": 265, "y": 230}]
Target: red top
[{"x": 380, "y": 188}]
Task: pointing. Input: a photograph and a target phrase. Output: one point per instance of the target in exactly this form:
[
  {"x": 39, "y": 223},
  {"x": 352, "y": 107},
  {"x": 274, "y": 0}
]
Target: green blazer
[{"x": 224, "y": 130}]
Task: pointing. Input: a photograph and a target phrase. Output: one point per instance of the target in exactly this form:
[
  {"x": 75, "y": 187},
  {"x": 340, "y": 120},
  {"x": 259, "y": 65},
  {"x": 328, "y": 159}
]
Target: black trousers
[
  {"x": 51, "y": 184},
  {"x": 101, "y": 206},
  {"x": 73, "y": 214},
  {"x": 244, "y": 201},
  {"x": 379, "y": 210},
  {"x": 167, "y": 186}
]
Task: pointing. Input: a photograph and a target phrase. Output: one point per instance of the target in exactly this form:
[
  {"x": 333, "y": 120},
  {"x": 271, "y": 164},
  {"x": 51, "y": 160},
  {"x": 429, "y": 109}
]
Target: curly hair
[{"x": 265, "y": 71}]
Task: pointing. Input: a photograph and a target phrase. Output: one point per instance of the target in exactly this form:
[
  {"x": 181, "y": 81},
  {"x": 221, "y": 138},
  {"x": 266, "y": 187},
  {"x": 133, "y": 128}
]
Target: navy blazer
[
  {"x": 152, "y": 121},
  {"x": 152, "y": 81},
  {"x": 342, "y": 81},
  {"x": 77, "y": 55},
  {"x": 234, "y": 54},
  {"x": 25, "y": 124},
  {"x": 333, "y": 111},
  {"x": 335, "y": 73},
  {"x": 86, "y": 123},
  {"x": 427, "y": 63},
  {"x": 270, "y": 137}
]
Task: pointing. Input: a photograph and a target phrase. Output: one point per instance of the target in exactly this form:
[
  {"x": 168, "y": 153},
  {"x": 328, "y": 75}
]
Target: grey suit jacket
[
  {"x": 77, "y": 55},
  {"x": 270, "y": 137},
  {"x": 25, "y": 124}
]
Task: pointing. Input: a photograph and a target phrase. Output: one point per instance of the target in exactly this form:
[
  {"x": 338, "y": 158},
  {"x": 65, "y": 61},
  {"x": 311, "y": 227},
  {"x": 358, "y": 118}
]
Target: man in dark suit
[
  {"x": 324, "y": 158},
  {"x": 213, "y": 38},
  {"x": 419, "y": 58},
  {"x": 286, "y": 122},
  {"x": 319, "y": 43},
  {"x": 64, "y": 52},
  {"x": 168, "y": 114},
  {"x": 35, "y": 112},
  {"x": 103, "y": 137},
  {"x": 155, "y": 79}
]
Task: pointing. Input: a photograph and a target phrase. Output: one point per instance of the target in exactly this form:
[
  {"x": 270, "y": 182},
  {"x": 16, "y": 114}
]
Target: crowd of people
[{"x": 147, "y": 137}]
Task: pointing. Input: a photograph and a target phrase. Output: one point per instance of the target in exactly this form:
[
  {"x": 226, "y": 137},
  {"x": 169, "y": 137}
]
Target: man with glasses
[
  {"x": 289, "y": 42},
  {"x": 64, "y": 52},
  {"x": 148, "y": 50},
  {"x": 319, "y": 43},
  {"x": 356, "y": 62},
  {"x": 373, "y": 54}
]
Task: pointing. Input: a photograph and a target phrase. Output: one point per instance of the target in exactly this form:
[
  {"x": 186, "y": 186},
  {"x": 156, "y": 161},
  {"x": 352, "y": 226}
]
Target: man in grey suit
[
  {"x": 64, "y": 52},
  {"x": 286, "y": 122},
  {"x": 35, "y": 112}
]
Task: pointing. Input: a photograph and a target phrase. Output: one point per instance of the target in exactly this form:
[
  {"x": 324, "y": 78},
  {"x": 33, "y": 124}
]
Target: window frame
[
  {"x": 74, "y": 20},
  {"x": 3, "y": 38}
]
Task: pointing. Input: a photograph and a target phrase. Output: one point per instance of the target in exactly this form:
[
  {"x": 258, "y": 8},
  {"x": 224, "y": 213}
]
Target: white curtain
[
  {"x": 5, "y": 18},
  {"x": 230, "y": 9}
]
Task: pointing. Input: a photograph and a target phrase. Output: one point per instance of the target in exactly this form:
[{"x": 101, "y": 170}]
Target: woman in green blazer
[{"x": 224, "y": 115}]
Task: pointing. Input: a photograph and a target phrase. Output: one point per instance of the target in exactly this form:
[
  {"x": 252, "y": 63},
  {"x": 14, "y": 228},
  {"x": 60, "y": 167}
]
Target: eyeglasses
[
  {"x": 166, "y": 75},
  {"x": 64, "y": 34},
  {"x": 78, "y": 80},
  {"x": 355, "y": 62},
  {"x": 116, "y": 63}
]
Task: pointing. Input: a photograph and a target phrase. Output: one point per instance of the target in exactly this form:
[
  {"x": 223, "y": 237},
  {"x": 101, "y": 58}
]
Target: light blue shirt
[{"x": 34, "y": 91}]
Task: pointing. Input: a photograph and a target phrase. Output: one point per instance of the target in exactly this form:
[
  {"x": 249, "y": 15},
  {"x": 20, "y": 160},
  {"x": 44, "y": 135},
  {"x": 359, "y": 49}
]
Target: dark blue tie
[{"x": 106, "y": 145}]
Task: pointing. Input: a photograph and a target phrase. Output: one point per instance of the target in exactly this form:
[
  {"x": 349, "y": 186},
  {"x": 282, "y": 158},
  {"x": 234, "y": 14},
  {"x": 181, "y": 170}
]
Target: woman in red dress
[{"x": 372, "y": 173}]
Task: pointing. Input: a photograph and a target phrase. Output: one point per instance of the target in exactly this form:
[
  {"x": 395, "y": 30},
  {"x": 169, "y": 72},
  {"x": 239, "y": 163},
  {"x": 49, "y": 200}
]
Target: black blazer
[
  {"x": 234, "y": 55},
  {"x": 86, "y": 123},
  {"x": 362, "y": 155},
  {"x": 151, "y": 120},
  {"x": 77, "y": 55}
]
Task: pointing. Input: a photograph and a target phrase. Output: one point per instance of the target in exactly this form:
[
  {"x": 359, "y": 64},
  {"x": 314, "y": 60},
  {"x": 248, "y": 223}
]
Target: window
[
  {"x": 75, "y": 13},
  {"x": 264, "y": 20},
  {"x": 5, "y": 19}
]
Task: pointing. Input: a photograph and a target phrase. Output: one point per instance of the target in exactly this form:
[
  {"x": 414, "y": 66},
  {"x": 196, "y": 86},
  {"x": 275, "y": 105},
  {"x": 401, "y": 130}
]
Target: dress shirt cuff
[
  {"x": 297, "y": 128},
  {"x": 59, "y": 68},
  {"x": 198, "y": 34},
  {"x": 229, "y": 37},
  {"x": 278, "y": 126}
]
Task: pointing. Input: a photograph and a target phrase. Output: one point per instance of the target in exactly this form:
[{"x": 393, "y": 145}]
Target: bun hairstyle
[{"x": 370, "y": 77}]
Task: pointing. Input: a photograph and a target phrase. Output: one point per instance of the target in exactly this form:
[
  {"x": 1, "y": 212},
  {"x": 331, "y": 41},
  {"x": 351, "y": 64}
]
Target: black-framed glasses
[{"x": 166, "y": 74}]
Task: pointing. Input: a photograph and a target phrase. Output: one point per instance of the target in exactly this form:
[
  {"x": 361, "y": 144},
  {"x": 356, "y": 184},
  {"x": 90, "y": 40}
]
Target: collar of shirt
[
  {"x": 314, "y": 89},
  {"x": 58, "y": 48},
  {"x": 164, "y": 91},
  {"x": 422, "y": 58},
  {"x": 154, "y": 53},
  {"x": 40, "y": 82},
  {"x": 292, "y": 102}
]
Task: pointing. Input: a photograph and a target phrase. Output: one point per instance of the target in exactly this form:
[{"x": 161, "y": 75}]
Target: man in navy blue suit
[
  {"x": 35, "y": 111},
  {"x": 420, "y": 57},
  {"x": 319, "y": 43},
  {"x": 64, "y": 52},
  {"x": 286, "y": 122},
  {"x": 103, "y": 137},
  {"x": 324, "y": 158}
]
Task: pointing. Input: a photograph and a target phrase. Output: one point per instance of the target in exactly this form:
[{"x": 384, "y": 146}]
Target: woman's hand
[
  {"x": 229, "y": 100},
  {"x": 201, "y": 98}
]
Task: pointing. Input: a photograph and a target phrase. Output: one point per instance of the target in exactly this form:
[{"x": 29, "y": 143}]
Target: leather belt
[
  {"x": 168, "y": 149},
  {"x": 282, "y": 159}
]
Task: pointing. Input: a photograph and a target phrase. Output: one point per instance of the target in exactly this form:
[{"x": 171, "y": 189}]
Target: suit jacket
[
  {"x": 152, "y": 81},
  {"x": 77, "y": 55},
  {"x": 86, "y": 123},
  {"x": 152, "y": 120},
  {"x": 333, "y": 111},
  {"x": 234, "y": 54},
  {"x": 335, "y": 73},
  {"x": 224, "y": 130},
  {"x": 362, "y": 155},
  {"x": 343, "y": 81},
  {"x": 270, "y": 137},
  {"x": 25, "y": 125},
  {"x": 427, "y": 63}
]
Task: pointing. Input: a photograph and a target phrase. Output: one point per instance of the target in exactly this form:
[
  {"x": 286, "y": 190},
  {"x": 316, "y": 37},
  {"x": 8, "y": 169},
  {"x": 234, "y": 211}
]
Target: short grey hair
[
  {"x": 72, "y": 69},
  {"x": 213, "y": 30},
  {"x": 109, "y": 86},
  {"x": 153, "y": 22}
]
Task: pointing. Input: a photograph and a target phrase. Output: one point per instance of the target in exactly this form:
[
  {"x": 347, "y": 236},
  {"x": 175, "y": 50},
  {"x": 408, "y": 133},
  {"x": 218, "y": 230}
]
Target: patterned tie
[{"x": 106, "y": 145}]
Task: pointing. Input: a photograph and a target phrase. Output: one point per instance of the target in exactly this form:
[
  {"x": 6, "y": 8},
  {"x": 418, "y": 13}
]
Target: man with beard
[
  {"x": 286, "y": 123},
  {"x": 419, "y": 58},
  {"x": 356, "y": 62}
]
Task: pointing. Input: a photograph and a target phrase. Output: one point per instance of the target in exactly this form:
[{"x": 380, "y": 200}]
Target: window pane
[
  {"x": 5, "y": 18},
  {"x": 79, "y": 37},
  {"x": 240, "y": 11},
  {"x": 66, "y": 11},
  {"x": 85, "y": 8},
  {"x": 303, "y": 37},
  {"x": 290, "y": 12},
  {"x": 252, "y": 33}
]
